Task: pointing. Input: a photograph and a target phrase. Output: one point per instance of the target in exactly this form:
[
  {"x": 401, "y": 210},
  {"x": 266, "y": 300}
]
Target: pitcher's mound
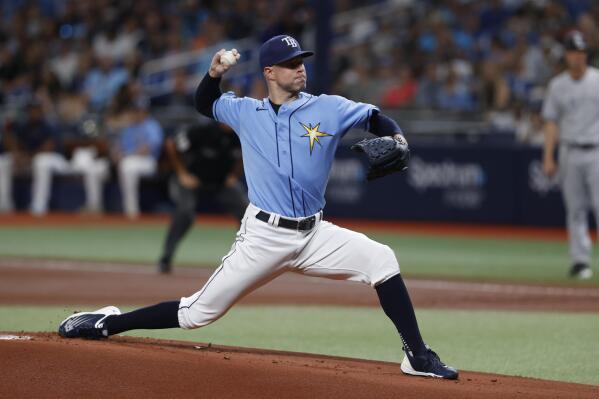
[{"x": 47, "y": 366}]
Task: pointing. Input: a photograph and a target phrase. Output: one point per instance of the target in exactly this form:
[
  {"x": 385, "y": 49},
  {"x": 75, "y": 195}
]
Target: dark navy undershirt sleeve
[
  {"x": 207, "y": 93},
  {"x": 382, "y": 125}
]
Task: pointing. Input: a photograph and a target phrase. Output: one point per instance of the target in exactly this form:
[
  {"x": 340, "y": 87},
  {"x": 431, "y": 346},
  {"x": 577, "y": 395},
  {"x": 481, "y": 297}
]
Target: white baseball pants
[
  {"x": 262, "y": 251},
  {"x": 6, "y": 204},
  {"x": 131, "y": 169},
  {"x": 579, "y": 173},
  {"x": 94, "y": 170}
]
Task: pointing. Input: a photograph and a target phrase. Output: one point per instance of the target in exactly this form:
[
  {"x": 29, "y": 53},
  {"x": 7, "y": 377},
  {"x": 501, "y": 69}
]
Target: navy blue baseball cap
[
  {"x": 575, "y": 41},
  {"x": 279, "y": 49}
]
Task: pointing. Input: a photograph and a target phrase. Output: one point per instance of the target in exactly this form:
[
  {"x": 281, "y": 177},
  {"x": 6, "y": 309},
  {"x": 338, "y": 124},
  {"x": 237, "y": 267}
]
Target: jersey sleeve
[
  {"x": 227, "y": 108},
  {"x": 550, "y": 111},
  {"x": 353, "y": 114}
]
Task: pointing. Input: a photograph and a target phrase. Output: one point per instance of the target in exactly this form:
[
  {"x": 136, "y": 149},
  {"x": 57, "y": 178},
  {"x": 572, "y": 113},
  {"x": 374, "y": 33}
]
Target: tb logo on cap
[{"x": 291, "y": 42}]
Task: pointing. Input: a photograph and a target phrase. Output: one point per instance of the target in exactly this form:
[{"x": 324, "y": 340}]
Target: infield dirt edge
[{"x": 126, "y": 367}]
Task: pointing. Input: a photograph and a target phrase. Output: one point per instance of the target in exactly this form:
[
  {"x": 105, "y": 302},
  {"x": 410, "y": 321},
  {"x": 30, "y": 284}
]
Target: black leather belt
[
  {"x": 578, "y": 146},
  {"x": 304, "y": 224}
]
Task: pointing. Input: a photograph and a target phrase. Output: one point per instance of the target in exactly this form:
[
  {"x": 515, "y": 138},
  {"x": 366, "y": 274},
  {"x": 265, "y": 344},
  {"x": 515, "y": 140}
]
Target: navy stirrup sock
[
  {"x": 162, "y": 315},
  {"x": 397, "y": 305}
]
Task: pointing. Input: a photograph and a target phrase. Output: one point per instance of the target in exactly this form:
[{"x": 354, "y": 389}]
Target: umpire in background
[
  {"x": 205, "y": 158},
  {"x": 571, "y": 108}
]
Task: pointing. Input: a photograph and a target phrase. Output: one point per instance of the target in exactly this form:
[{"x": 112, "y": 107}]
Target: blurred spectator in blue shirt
[
  {"x": 102, "y": 83},
  {"x": 454, "y": 94},
  {"x": 143, "y": 137},
  {"x": 493, "y": 17},
  {"x": 428, "y": 86},
  {"x": 537, "y": 60},
  {"x": 139, "y": 146}
]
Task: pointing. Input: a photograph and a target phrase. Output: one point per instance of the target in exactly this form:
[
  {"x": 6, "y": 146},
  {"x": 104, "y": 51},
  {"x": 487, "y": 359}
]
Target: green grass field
[
  {"x": 451, "y": 257},
  {"x": 543, "y": 345},
  {"x": 556, "y": 346}
]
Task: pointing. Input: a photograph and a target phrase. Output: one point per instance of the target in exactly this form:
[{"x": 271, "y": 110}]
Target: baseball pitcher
[{"x": 288, "y": 142}]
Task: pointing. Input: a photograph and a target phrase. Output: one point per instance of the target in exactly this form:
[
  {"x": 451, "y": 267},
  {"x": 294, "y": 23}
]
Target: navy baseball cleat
[
  {"x": 87, "y": 324},
  {"x": 427, "y": 365}
]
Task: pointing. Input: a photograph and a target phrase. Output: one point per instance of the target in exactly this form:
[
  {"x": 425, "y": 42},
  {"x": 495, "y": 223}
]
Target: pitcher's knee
[
  {"x": 197, "y": 314},
  {"x": 383, "y": 254},
  {"x": 189, "y": 320},
  {"x": 386, "y": 265}
]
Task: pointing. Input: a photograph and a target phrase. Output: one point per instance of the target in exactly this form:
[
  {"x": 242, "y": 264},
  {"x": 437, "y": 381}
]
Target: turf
[
  {"x": 451, "y": 257},
  {"x": 542, "y": 345},
  {"x": 204, "y": 245}
]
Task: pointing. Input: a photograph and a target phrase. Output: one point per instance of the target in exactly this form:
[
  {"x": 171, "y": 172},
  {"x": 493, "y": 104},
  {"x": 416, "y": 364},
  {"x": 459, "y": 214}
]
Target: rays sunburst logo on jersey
[{"x": 314, "y": 135}]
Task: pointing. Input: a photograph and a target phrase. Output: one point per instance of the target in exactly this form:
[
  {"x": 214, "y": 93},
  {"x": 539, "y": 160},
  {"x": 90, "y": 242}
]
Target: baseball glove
[{"x": 386, "y": 155}]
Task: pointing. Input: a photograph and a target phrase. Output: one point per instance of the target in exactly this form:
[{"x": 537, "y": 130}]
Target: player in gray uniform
[
  {"x": 571, "y": 113},
  {"x": 288, "y": 143}
]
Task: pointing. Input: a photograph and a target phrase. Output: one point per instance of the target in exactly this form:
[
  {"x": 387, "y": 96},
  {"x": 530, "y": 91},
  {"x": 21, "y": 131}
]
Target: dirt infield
[
  {"x": 41, "y": 282},
  {"x": 50, "y": 367},
  {"x": 134, "y": 368}
]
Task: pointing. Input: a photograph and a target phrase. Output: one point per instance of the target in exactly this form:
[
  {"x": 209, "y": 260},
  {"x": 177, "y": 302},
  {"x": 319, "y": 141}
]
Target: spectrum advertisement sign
[{"x": 466, "y": 183}]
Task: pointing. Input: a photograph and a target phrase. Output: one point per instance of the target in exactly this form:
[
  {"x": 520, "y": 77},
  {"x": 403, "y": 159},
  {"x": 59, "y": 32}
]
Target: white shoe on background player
[{"x": 581, "y": 271}]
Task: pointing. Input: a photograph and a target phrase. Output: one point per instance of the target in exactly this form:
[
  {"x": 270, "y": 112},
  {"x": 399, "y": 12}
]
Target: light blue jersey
[{"x": 288, "y": 156}]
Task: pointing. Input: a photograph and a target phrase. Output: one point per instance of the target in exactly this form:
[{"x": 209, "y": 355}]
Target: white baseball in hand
[{"x": 228, "y": 58}]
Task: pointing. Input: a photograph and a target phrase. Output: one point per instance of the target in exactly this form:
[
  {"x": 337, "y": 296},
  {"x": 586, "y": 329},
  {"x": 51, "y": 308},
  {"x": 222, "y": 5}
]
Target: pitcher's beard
[{"x": 295, "y": 87}]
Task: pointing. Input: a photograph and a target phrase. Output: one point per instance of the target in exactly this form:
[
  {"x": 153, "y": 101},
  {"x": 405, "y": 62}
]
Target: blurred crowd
[
  {"x": 491, "y": 57},
  {"x": 70, "y": 71},
  {"x": 70, "y": 95}
]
